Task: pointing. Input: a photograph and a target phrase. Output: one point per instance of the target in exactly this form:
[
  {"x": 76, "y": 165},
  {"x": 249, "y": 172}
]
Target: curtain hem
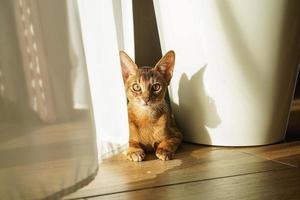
[
  {"x": 111, "y": 149},
  {"x": 74, "y": 187}
]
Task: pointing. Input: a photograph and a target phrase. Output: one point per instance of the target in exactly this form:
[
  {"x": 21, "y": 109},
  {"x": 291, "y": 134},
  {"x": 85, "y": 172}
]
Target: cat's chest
[
  {"x": 146, "y": 119},
  {"x": 151, "y": 131},
  {"x": 142, "y": 115},
  {"x": 150, "y": 125}
]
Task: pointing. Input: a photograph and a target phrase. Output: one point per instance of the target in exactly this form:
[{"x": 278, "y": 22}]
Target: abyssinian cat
[{"x": 151, "y": 125}]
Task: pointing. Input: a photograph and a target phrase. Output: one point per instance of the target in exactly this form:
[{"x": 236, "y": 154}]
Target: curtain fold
[{"x": 103, "y": 25}]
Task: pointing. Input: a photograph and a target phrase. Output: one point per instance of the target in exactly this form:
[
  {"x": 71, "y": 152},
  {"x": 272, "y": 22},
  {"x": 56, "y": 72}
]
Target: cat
[{"x": 151, "y": 125}]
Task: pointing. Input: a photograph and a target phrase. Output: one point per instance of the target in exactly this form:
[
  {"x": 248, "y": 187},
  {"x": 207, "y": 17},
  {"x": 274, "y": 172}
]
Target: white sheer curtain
[
  {"x": 107, "y": 26},
  {"x": 47, "y": 124},
  {"x": 47, "y": 135}
]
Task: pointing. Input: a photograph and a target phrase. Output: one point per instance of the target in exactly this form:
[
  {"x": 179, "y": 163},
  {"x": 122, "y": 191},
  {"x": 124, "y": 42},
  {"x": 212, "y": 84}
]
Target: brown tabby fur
[{"x": 151, "y": 126}]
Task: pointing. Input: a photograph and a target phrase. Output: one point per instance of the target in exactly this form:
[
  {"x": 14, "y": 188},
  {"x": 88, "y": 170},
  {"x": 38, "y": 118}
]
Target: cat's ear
[
  {"x": 129, "y": 68},
  {"x": 165, "y": 65}
]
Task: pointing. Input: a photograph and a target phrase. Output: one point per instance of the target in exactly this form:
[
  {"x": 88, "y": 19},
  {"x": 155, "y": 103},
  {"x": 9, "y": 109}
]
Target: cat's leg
[
  {"x": 135, "y": 151},
  {"x": 167, "y": 148}
]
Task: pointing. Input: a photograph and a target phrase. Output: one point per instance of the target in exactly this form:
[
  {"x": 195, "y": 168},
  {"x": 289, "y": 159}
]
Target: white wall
[{"x": 235, "y": 71}]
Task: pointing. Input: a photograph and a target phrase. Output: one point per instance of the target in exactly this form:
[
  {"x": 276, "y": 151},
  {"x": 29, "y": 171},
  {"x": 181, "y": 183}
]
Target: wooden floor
[{"x": 202, "y": 172}]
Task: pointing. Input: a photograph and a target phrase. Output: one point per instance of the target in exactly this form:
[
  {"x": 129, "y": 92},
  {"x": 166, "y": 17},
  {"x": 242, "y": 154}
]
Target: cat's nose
[{"x": 146, "y": 100}]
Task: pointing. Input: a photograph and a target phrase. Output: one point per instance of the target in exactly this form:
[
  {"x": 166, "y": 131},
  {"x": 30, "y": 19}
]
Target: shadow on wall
[
  {"x": 288, "y": 63},
  {"x": 196, "y": 111}
]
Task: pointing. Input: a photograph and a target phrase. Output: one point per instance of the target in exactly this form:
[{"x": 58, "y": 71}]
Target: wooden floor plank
[
  {"x": 192, "y": 163},
  {"x": 287, "y": 153},
  {"x": 278, "y": 184}
]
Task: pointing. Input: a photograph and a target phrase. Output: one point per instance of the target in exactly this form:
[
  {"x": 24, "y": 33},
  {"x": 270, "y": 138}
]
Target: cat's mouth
[{"x": 146, "y": 104}]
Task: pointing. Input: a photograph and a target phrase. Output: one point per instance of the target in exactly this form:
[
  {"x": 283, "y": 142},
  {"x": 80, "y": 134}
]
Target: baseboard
[
  {"x": 294, "y": 120},
  {"x": 295, "y": 105}
]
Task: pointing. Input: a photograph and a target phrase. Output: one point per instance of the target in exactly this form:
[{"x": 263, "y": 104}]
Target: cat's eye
[
  {"x": 156, "y": 87},
  {"x": 135, "y": 87}
]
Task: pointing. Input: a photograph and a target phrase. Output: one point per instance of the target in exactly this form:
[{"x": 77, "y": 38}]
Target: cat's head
[{"x": 146, "y": 86}]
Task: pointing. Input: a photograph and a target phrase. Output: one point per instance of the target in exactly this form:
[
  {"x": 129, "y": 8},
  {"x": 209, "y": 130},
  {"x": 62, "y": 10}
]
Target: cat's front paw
[
  {"x": 164, "y": 154},
  {"x": 136, "y": 156}
]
